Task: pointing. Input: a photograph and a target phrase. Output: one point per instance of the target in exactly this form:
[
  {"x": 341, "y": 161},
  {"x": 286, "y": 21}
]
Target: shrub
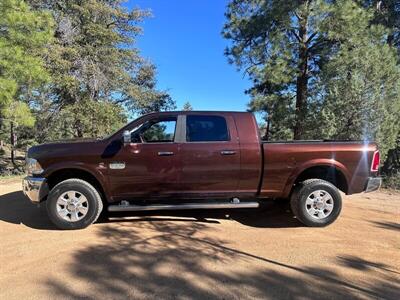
[{"x": 392, "y": 181}]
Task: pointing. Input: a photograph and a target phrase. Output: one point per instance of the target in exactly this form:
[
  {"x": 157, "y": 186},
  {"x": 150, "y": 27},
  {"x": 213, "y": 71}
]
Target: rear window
[{"x": 206, "y": 129}]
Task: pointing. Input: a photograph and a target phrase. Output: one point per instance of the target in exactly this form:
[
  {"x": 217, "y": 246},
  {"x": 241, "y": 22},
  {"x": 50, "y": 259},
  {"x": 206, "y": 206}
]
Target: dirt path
[{"x": 251, "y": 254}]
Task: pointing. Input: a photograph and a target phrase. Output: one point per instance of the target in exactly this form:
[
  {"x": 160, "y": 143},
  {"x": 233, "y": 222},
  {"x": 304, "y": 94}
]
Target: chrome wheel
[
  {"x": 72, "y": 206},
  {"x": 319, "y": 204}
]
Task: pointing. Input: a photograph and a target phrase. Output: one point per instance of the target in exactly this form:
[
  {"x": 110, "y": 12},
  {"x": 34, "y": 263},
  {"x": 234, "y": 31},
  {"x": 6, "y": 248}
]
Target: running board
[{"x": 183, "y": 206}]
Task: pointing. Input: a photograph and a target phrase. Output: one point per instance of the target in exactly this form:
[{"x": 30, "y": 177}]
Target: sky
[{"x": 183, "y": 39}]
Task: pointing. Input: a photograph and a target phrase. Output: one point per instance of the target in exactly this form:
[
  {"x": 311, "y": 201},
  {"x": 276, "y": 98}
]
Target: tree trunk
[
  {"x": 302, "y": 80},
  {"x": 267, "y": 132},
  {"x": 78, "y": 128},
  {"x": 12, "y": 142}
]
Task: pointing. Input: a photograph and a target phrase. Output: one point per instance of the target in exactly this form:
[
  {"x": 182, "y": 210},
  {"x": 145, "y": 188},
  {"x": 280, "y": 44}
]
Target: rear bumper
[
  {"x": 35, "y": 188},
  {"x": 373, "y": 184}
]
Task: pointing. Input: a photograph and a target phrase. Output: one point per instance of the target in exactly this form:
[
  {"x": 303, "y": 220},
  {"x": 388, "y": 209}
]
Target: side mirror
[{"x": 126, "y": 137}]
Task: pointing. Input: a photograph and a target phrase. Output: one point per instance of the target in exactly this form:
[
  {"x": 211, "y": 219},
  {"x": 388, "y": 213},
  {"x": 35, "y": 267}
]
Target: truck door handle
[
  {"x": 228, "y": 152},
  {"x": 165, "y": 153}
]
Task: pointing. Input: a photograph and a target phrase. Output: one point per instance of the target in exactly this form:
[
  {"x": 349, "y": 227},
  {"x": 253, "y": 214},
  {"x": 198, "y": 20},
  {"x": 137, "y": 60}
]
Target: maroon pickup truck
[{"x": 196, "y": 160}]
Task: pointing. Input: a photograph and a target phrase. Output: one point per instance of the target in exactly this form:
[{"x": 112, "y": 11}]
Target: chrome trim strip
[
  {"x": 35, "y": 188},
  {"x": 165, "y": 153},
  {"x": 183, "y": 206}
]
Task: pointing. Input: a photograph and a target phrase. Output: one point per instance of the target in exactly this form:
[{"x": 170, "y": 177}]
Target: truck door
[
  {"x": 149, "y": 165},
  {"x": 210, "y": 155}
]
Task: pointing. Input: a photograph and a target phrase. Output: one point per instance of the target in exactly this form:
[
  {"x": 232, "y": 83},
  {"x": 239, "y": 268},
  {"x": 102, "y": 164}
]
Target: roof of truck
[{"x": 200, "y": 111}]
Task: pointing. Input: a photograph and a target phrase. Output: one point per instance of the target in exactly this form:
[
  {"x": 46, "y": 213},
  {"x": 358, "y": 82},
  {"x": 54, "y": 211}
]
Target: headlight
[{"x": 33, "y": 167}]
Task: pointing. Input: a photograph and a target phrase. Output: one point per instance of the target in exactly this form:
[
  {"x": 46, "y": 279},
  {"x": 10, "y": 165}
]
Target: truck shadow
[
  {"x": 15, "y": 208},
  {"x": 272, "y": 214},
  {"x": 168, "y": 260}
]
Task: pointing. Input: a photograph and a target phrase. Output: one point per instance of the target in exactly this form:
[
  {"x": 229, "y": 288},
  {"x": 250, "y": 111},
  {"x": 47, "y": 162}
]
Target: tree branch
[
  {"x": 295, "y": 34},
  {"x": 311, "y": 37}
]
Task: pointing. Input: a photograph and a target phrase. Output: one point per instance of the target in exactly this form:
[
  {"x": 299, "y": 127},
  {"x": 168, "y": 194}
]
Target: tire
[
  {"x": 316, "y": 202},
  {"x": 73, "y": 204}
]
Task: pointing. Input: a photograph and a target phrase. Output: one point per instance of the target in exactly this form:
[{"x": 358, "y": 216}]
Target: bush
[{"x": 392, "y": 181}]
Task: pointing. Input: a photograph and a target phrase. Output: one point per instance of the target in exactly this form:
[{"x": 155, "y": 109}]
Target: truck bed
[{"x": 347, "y": 162}]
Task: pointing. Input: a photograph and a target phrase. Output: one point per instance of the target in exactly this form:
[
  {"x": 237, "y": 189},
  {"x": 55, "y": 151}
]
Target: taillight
[{"x": 375, "y": 161}]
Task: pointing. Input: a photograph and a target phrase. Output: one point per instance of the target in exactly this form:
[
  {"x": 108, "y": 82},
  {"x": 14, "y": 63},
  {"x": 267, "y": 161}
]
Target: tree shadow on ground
[
  {"x": 17, "y": 209},
  {"x": 171, "y": 260},
  {"x": 363, "y": 265},
  {"x": 387, "y": 225},
  {"x": 159, "y": 257}
]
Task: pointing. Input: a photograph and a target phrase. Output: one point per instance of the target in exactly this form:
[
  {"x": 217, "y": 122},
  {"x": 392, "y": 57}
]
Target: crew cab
[{"x": 196, "y": 160}]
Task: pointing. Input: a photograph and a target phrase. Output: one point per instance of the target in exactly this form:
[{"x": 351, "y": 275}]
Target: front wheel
[
  {"x": 316, "y": 202},
  {"x": 74, "y": 204}
]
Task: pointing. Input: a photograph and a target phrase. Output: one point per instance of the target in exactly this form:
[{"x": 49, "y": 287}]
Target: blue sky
[{"x": 183, "y": 39}]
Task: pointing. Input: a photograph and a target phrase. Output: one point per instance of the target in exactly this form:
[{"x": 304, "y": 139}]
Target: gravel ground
[{"x": 263, "y": 254}]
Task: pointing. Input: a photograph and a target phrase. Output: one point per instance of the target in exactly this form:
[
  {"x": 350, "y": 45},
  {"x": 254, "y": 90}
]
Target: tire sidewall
[
  {"x": 66, "y": 186},
  {"x": 303, "y": 195}
]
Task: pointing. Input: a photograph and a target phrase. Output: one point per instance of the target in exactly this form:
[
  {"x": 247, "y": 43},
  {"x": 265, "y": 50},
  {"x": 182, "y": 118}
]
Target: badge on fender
[{"x": 117, "y": 165}]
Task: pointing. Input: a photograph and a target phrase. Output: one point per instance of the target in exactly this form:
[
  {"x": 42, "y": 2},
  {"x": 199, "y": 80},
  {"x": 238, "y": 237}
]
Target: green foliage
[
  {"x": 392, "y": 181},
  {"x": 94, "y": 56},
  {"x": 75, "y": 65},
  {"x": 97, "y": 75},
  {"x": 281, "y": 47},
  {"x": 23, "y": 36},
  {"x": 187, "y": 106},
  {"x": 391, "y": 166},
  {"x": 8, "y": 88},
  {"x": 387, "y": 13},
  {"x": 320, "y": 69},
  {"x": 361, "y": 81},
  {"x": 19, "y": 113},
  {"x": 82, "y": 119}
]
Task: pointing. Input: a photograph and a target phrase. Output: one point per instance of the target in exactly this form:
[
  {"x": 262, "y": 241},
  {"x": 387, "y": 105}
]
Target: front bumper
[
  {"x": 35, "y": 188},
  {"x": 373, "y": 184}
]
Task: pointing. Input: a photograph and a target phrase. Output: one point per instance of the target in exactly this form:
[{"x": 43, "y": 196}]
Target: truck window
[
  {"x": 206, "y": 129},
  {"x": 162, "y": 131}
]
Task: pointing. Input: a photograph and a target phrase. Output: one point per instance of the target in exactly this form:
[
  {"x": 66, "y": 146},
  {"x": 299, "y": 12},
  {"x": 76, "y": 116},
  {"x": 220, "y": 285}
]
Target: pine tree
[
  {"x": 280, "y": 46},
  {"x": 187, "y": 106},
  {"x": 387, "y": 13},
  {"x": 361, "y": 81},
  {"x": 95, "y": 58},
  {"x": 320, "y": 69},
  {"x": 24, "y": 35}
]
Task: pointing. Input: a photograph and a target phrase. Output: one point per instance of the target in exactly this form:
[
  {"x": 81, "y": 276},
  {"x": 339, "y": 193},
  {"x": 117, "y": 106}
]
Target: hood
[
  {"x": 75, "y": 140},
  {"x": 58, "y": 147}
]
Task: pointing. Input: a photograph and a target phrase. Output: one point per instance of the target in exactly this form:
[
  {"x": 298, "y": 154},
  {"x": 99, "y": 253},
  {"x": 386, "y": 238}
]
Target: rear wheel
[
  {"x": 316, "y": 202},
  {"x": 74, "y": 204}
]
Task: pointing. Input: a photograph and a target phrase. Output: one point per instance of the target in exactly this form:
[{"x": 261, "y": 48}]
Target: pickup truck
[{"x": 196, "y": 160}]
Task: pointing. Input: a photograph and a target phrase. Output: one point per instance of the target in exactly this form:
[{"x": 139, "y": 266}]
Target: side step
[{"x": 183, "y": 206}]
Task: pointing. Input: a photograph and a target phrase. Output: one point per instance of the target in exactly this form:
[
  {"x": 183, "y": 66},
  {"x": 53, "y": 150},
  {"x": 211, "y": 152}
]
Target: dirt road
[{"x": 262, "y": 254}]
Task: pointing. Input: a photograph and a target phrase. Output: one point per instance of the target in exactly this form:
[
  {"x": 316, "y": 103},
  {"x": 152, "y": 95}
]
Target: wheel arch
[
  {"x": 58, "y": 175},
  {"x": 330, "y": 171}
]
